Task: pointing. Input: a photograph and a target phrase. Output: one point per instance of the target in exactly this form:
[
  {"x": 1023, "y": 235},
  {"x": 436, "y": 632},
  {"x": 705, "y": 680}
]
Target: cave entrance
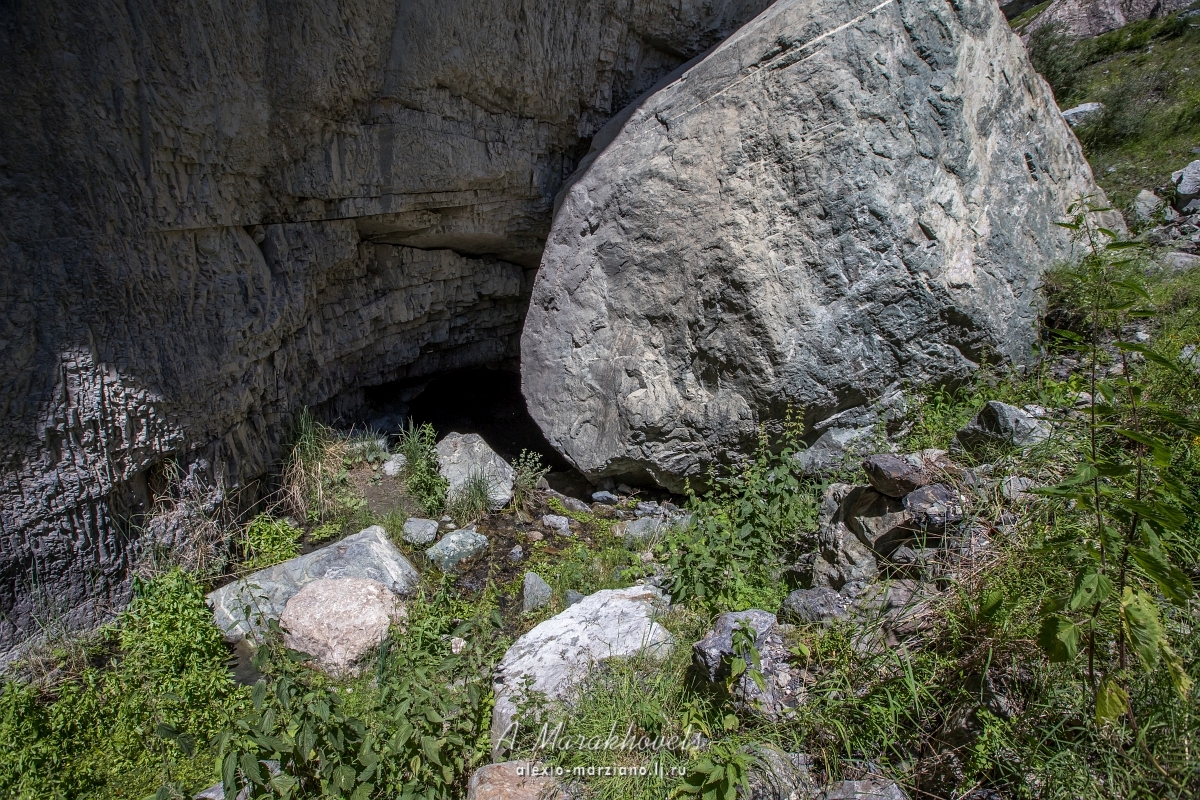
[{"x": 483, "y": 401}]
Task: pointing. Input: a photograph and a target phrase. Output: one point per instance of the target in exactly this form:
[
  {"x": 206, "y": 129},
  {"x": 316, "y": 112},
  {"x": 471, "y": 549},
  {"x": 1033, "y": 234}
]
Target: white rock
[
  {"x": 1147, "y": 204},
  {"x": 1081, "y": 114},
  {"x": 462, "y": 455},
  {"x": 337, "y": 621},
  {"x": 556, "y": 522},
  {"x": 395, "y": 465},
  {"x": 557, "y": 654},
  {"x": 513, "y": 780},
  {"x": 420, "y": 531}
]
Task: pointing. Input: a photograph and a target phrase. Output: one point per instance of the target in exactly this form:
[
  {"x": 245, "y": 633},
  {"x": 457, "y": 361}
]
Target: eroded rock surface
[
  {"x": 337, "y": 621},
  {"x": 839, "y": 196},
  {"x": 214, "y": 216}
]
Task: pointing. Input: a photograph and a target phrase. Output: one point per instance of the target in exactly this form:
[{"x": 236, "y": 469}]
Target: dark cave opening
[{"x": 483, "y": 401}]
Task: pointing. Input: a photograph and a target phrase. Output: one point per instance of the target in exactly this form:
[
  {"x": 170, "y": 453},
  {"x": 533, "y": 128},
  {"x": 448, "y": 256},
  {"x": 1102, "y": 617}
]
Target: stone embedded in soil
[
  {"x": 820, "y": 604},
  {"x": 893, "y": 475},
  {"x": 420, "y": 531},
  {"x": 607, "y": 498},
  {"x": 243, "y": 607},
  {"x": 516, "y": 554},
  {"x": 337, "y": 621},
  {"x": 457, "y": 550},
  {"x": 557, "y": 523},
  {"x": 781, "y": 687},
  {"x": 572, "y": 597},
  {"x": 557, "y": 655},
  {"x": 870, "y": 788},
  {"x": 395, "y": 465},
  {"x": 879, "y": 521},
  {"x": 712, "y": 654},
  {"x": 512, "y": 780},
  {"x": 462, "y": 456},
  {"x": 934, "y": 506},
  {"x": 535, "y": 592},
  {"x": 1001, "y": 424}
]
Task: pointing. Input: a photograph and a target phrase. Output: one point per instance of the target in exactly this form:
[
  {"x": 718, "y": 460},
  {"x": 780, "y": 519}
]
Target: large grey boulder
[
  {"x": 1083, "y": 113},
  {"x": 461, "y": 456},
  {"x": 243, "y": 607},
  {"x": 420, "y": 531},
  {"x": 457, "y": 550},
  {"x": 337, "y": 621},
  {"x": 1083, "y": 19},
  {"x": 999, "y": 424},
  {"x": 819, "y": 604},
  {"x": 556, "y": 656},
  {"x": 839, "y": 196}
]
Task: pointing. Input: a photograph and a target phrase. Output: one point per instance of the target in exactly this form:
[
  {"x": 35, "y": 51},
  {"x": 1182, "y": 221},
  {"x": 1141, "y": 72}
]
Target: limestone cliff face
[
  {"x": 212, "y": 214},
  {"x": 839, "y": 197}
]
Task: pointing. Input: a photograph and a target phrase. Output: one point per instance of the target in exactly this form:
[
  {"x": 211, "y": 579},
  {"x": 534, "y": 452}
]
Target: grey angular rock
[
  {"x": 1187, "y": 188},
  {"x": 337, "y": 621},
  {"x": 935, "y": 506},
  {"x": 817, "y": 605},
  {"x": 893, "y": 475},
  {"x": 1016, "y": 487},
  {"x": 514, "y": 780},
  {"x": 880, "y": 522},
  {"x": 535, "y": 592},
  {"x": 781, "y": 776},
  {"x": 572, "y": 597},
  {"x": 557, "y": 655},
  {"x": 607, "y": 498},
  {"x": 712, "y": 654},
  {"x": 516, "y": 554},
  {"x": 457, "y": 550},
  {"x": 640, "y": 532},
  {"x": 244, "y": 606},
  {"x": 998, "y": 424},
  {"x": 870, "y": 788},
  {"x": 556, "y": 522},
  {"x": 842, "y": 559},
  {"x": 762, "y": 231},
  {"x": 1084, "y": 19},
  {"x": 420, "y": 531},
  {"x": 1082, "y": 114},
  {"x": 281, "y": 208},
  {"x": 1147, "y": 205},
  {"x": 461, "y": 456},
  {"x": 832, "y": 448}
]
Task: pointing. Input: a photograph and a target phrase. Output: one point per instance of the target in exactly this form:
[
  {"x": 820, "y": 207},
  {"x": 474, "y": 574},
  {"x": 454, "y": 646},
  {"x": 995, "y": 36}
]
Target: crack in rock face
[{"x": 838, "y": 197}]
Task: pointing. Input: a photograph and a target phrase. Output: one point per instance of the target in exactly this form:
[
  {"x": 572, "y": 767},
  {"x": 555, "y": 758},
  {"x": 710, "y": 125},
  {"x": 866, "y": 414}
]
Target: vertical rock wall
[{"x": 212, "y": 214}]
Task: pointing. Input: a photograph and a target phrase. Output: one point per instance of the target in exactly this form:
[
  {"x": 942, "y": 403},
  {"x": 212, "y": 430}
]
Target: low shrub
[{"x": 267, "y": 541}]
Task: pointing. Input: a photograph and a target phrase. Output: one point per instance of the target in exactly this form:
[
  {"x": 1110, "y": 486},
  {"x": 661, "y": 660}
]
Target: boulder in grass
[
  {"x": 999, "y": 424},
  {"x": 338, "y": 621},
  {"x": 817, "y": 605},
  {"x": 535, "y": 592},
  {"x": 420, "y": 531},
  {"x": 893, "y": 475},
  {"x": 457, "y": 550},
  {"x": 462, "y": 456}
]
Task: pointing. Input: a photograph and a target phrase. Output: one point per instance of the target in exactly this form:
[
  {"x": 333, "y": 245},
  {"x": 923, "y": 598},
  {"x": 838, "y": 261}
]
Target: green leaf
[
  {"x": 1091, "y": 587},
  {"x": 1111, "y": 700},
  {"x": 1179, "y": 677},
  {"x": 1123, "y": 245},
  {"x": 1059, "y": 638},
  {"x": 1157, "y": 358},
  {"x": 259, "y": 694},
  {"x": 1143, "y": 628},
  {"x": 1172, "y": 581},
  {"x": 250, "y": 768},
  {"x": 343, "y": 777}
]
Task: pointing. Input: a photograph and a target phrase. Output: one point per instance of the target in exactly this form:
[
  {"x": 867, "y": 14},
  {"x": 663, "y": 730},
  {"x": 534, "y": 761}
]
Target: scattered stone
[
  {"x": 513, "y": 780},
  {"x": 817, "y": 605},
  {"x": 607, "y": 498},
  {"x": 420, "y": 531},
  {"x": 935, "y": 506},
  {"x": 571, "y": 503},
  {"x": 1001, "y": 424},
  {"x": 712, "y": 654},
  {"x": 1190, "y": 357},
  {"x": 842, "y": 561},
  {"x": 625, "y": 489},
  {"x": 880, "y": 522},
  {"x": 516, "y": 554},
  {"x": 457, "y": 550},
  {"x": 446, "y": 519},
  {"x": 870, "y": 788},
  {"x": 534, "y": 536},
  {"x": 556, "y": 655},
  {"x": 1187, "y": 188},
  {"x": 243, "y": 607},
  {"x": 457, "y": 644},
  {"x": 1147, "y": 205},
  {"x": 1082, "y": 114},
  {"x": 781, "y": 776},
  {"x": 337, "y": 621},
  {"x": 460, "y": 456},
  {"x": 1016, "y": 487},
  {"x": 1179, "y": 262},
  {"x": 640, "y": 532},
  {"x": 535, "y": 592},
  {"x": 648, "y": 509},
  {"x": 572, "y": 597},
  {"x": 395, "y": 465},
  {"x": 893, "y": 475},
  {"x": 557, "y": 523}
]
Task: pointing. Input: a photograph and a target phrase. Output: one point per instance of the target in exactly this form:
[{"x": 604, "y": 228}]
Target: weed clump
[
  {"x": 472, "y": 500},
  {"x": 267, "y": 541},
  {"x": 422, "y": 477}
]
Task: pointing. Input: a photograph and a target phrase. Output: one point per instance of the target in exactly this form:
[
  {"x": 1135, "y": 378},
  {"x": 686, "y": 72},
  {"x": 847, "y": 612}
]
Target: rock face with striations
[
  {"x": 838, "y": 196},
  {"x": 214, "y": 215}
]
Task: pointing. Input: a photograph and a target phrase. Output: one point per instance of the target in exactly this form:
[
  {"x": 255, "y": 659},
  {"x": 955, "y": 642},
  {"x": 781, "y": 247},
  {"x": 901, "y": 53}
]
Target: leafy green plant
[
  {"x": 726, "y": 558},
  {"x": 472, "y": 500},
  {"x": 417, "y": 443},
  {"x": 529, "y": 470},
  {"x": 718, "y": 774},
  {"x": 268, "y": 541},
  {"x": 1135, "y": 508}
]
